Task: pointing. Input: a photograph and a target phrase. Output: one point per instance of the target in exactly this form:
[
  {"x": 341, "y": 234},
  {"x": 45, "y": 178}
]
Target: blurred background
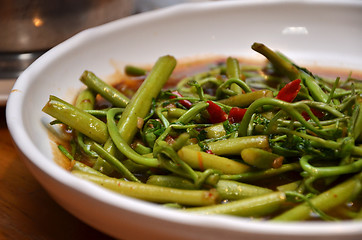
[{"x": 31, "y": 27}]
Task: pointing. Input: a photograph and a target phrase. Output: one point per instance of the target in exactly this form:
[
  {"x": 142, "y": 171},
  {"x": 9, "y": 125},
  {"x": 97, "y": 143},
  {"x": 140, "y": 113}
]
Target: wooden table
[{"x": 26, "y": 210}]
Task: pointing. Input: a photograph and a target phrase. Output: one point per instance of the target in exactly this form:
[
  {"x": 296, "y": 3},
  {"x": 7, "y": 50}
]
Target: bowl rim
[{"x": 15, "y": 122}]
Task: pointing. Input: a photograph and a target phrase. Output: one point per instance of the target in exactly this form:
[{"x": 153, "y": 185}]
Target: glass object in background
[{"x": 31, "y": 27}]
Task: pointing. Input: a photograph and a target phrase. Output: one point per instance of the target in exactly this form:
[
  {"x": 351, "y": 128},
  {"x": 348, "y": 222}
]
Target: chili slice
[
  {"x": 236, "y": 114},
  {"x": 289, "y": 91},
  {"x": 185, "y": 103},
  {"x": 217, "y": 115}
]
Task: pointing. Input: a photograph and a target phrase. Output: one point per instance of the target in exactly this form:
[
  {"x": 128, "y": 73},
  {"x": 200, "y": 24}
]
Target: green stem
[
  {"x": 234, "y": 146},
  {"x": 134, "y": 71},
  {"x": 77, "y": 119},
  {"x": 314, "y": 89},
  {"x": 325, "y": 201},
  {"x": 153, "y": 193},
  {"x": 105, "y": 90},
  {"x": 283, "y": 66},
  {"x": 319, "y": 172},
  {"x": 257, "y": 175},
  {"x": 140, "y": 104},
  {"x": 289, "y": 108},
  {"x": 114, "y": 162},
  {"x": 244, "y": 100},
  {"x": 233, "y": 190},
  {"x": 86, "y": 99},
  {"x": 228, "y": 83},
  {"x": 86, "y": 169},
  {"x": 250, "y": 207},
  {"x": 123, "y": 146},
  {"x": 233, "y": 71},
  {"x": 192, "y": 112},
  {"x": 202, "y": 160}
]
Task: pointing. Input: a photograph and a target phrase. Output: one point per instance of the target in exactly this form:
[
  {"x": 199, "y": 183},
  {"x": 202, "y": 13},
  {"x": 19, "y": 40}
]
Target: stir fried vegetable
[{"x": 273, "y": 142}]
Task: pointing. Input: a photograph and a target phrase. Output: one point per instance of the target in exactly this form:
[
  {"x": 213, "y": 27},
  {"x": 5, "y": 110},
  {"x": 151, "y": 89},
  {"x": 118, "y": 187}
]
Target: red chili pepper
[
  {"x": 316, "y": 112},
  {"x": 289, "y": 91},
  {"x": 209, "y": 152},
  {"x": 216, "y": 113},
  {"x": 236, "y": 114},
  {"x": 185, "y": 103}
]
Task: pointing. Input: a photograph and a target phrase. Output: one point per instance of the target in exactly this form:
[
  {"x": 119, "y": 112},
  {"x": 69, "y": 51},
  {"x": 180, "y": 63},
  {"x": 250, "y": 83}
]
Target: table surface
[{"x": 26, "y": 209}]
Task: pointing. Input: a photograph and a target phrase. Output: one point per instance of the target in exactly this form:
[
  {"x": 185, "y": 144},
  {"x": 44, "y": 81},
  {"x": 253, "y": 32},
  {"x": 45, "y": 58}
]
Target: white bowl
[{"x": 309, "y": 32}]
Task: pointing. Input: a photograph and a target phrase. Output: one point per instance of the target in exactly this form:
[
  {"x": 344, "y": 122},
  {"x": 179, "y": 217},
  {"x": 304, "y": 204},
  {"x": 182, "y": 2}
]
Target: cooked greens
[{"x": 273, "y": 142}]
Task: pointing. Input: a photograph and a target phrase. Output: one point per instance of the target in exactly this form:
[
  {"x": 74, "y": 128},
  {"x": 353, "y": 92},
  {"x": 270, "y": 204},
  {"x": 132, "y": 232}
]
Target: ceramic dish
[{"x": 310, "y": 32}]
